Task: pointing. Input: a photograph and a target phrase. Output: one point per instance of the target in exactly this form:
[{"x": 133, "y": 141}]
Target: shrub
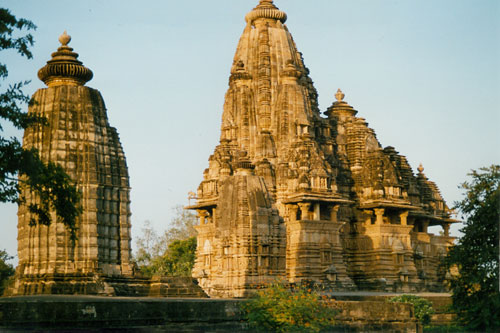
[
  {"x": 423, "y": 307},
  {"x": 278, "y": 308}
]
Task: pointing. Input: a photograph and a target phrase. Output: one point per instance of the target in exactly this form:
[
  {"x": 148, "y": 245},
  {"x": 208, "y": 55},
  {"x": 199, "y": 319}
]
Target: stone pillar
[
  {"x": 379, "y": 213},
  {"x": 202, "y": 214},
  {"x": 304, "y": 210},
  {"x": 317, "y": 211},
  {"x": 446, "y": 229},
  {"x": 292, "y": 212},
  {"x": 425, "y": 225},
  {"x": 404, "y": 216},
  {"x": 368, "y": 220},
  {"x": 334, "y": 213}
]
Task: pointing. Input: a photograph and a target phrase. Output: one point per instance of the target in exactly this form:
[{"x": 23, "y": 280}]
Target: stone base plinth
[
  {"x": 94, "y": 284},
  {"x": 137, "y": 314}
]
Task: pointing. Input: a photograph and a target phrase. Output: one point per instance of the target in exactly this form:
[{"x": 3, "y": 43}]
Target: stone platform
[
  {"x": 148, "y": 314},
  {"x": 95, "y": 285},
  {"x": 440, "y": 302},
  {"x": 96, "y": 313}
]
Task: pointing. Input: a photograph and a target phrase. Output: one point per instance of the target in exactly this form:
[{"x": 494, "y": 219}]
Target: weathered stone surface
[
  {"x": 79, "y": 138},
  {"x": 441, "y": 303},
  {"x": 335, "y": 207}
]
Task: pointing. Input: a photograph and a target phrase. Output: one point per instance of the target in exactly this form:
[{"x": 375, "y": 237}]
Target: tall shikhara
[
  {"x": 294, "y": 195},
  {"x": 78, "y": 137}
]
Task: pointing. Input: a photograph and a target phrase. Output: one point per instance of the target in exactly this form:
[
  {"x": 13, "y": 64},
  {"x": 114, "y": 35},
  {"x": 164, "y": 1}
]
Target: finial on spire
[
  {"x": 266, "y": 9},
  {"x": 420, "y": 168},
  {"x": 64, "y": 68},
  {"x": 64, "y": 39},
  {"x": 340, "y": 107},
  {"x": 339, "y": 95}
]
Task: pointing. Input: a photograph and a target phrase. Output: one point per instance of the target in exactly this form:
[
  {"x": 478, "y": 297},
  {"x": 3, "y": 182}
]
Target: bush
[
  {"x": 423, "y": 307},
  {"x": 278, "y": 308}
]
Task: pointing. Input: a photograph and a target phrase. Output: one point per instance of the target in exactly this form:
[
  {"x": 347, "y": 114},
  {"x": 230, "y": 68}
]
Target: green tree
[
  {"x": 423, "y": 307},
  {"x": 150, "y": 246},
  {"x": 171, "y": 253},
  {"x": 21, "y": 168},
  {"x": 475, "y": 287},
  {"x": 178, "y": 260},
  {"x": 6, "y": 270},
  {"x": 183, "y": 224}
]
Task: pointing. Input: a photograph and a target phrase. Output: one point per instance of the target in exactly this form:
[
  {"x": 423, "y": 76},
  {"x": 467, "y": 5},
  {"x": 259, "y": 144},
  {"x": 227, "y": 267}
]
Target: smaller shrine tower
[{"x": 78, "y": 137}]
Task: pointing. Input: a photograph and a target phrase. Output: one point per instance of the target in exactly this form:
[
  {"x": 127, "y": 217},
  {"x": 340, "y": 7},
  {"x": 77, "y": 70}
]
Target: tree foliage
[
  {"x": 173, "y": 252},
  {"x": 423, "y": 307},
  {"x": 48, "y": 184},
  {"x": 476, "y": 296},
  {"x": 6, "y": 270},
  {"x": 178, "y": 259},
  {"x": 277, "y": 308}
]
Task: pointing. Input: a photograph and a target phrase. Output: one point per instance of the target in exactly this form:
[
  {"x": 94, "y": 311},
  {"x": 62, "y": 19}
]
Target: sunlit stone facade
[{"x": 295, "y": 195}]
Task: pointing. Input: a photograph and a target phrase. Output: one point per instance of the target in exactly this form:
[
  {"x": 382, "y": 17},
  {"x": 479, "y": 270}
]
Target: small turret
[{"x": 340, "y": 107}]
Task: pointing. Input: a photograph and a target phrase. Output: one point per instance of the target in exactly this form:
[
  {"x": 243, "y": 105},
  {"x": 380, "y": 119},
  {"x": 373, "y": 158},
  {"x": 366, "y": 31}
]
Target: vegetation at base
[
  {"x": 173, "y": 252},
  {"x": 445, "y": 329},
  {"x": 52, "y": 189},
  {"x": 475, "y": 257},
  {"x": 423, "y": 307},
  {"x": 178, "y": 259},
  {"x": 6, "y": 270},
  {"x": 277, "y": 308}
]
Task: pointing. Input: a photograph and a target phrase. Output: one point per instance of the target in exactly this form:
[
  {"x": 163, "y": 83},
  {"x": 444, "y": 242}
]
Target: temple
[
  {"x": 295, "y": 195},
  {"x": 79, "y": 138}
]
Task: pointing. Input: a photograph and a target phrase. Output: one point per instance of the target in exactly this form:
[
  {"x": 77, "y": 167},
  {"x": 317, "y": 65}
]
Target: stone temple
[
  {"x": 79, "y": 138},
  {"x": 295, "y": 195}
]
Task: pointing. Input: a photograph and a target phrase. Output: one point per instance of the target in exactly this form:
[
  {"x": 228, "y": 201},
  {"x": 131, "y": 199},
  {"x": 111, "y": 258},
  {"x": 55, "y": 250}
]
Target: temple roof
[
  {"x": 271, "y": 115},
  {"x": 64, "y": 68}
]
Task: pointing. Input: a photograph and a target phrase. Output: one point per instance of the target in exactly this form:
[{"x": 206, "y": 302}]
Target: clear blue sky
[{"x": 425, "y": 74}]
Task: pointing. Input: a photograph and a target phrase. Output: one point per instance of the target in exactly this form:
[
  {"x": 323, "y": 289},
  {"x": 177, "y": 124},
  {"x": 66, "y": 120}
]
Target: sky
[{"x": 424, "y": 74}]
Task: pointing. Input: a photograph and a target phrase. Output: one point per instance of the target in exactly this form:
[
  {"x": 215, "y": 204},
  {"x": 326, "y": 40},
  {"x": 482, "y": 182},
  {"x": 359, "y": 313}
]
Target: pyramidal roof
[
  {"x": 268, "y": 71},
  {"x": 271, "y": 116}
]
